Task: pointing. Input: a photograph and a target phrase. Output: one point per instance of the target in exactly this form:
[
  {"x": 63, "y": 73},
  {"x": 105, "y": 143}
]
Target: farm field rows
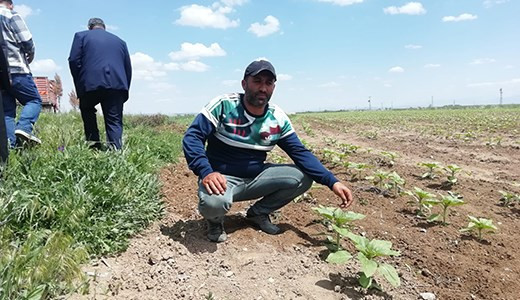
[{"x": 173, "y": 260}]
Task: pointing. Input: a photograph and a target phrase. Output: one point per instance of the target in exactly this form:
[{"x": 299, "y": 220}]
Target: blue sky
[{"x": 329, "y": 54}]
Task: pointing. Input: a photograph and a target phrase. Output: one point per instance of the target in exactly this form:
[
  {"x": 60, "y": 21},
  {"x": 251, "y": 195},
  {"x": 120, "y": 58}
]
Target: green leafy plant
[
  {"x": 446, "y": 202},
  {"x": 348, "y": 148},
  {"x": 394, "y": 183},
  {"x": 332, "y": 156},
  {"x": 432, "y": 169},
  {"x": 340, "y": 222},
  {"x": 369, "y": 250},
  {"x": 378, "y": 178},
  {"x": 481, "y": 225},
  {"x": 452, "y": 172},
  {"x": 307, "y": 129},
  {"x": 389, "y": 183},
  {"x": 507, "y": 198},
  {"x": 357, "y": 168},
  {"x": 423, "y": 199},
  {"x": 390, "y": 156}
]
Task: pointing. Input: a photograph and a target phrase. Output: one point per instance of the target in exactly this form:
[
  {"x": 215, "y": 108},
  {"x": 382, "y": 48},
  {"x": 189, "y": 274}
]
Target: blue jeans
[
  {"x": 24, "y": 90},
  {"x": 112, "y": 105},
  {"x": 276, "y": 185}
]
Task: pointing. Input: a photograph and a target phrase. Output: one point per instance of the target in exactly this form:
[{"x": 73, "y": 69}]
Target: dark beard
[{"x": 254, "y": 101}]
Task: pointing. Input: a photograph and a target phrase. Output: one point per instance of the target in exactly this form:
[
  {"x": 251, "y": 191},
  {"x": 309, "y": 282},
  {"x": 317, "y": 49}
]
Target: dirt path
[{"x": 173, "y": 260}]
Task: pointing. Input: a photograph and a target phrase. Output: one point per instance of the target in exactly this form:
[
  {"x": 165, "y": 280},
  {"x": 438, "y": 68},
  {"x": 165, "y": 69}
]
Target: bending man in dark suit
[{"x": 101, "y": 69}]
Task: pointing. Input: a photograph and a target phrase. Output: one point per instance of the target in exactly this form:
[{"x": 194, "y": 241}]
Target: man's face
[{"x": 259, "y": 89}]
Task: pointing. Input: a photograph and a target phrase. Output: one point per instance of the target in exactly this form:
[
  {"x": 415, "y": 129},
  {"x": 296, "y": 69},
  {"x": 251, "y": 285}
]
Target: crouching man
[{"x": 239, "y": 129}]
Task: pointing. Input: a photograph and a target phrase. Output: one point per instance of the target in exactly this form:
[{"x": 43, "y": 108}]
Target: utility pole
[
  {"x": 431, "y": 105},
  {"x": 500, "y": 96},
  {"x": 369, "y": 103}
]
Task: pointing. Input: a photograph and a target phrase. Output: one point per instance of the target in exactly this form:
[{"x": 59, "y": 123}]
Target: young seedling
[
  {"x": 391, "y": 157},
  {"x": 508, "y": 197},
  {"x": 432, "y": 169},
  {"x": 330, "y": 141},
  {"x": 481, "y": 225},
  {"x": 378, "y": 179},
  {"x": 349, "y": 148},
  {"x": 369, "y": 250},
  {"x": 357, "y": 168},
  {"x": 333, "y": 156},
  {"x": 424, "y": 200},
  {"x": 446, "y": 202},
  {"x": 307, "y": 129},
  {"x": 394, "y": 183},
  {"x": 340, "y": 222},
  {"x": 452, "y": 171}
]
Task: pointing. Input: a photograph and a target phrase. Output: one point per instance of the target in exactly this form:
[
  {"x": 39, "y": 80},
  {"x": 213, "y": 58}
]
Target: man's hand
[
  {"x": 215, "y": 183},
  {"x": 344, "y": 193}
]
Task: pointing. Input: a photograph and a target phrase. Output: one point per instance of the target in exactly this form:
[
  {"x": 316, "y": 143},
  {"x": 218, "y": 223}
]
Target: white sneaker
[{"x": 27, "y": 137}]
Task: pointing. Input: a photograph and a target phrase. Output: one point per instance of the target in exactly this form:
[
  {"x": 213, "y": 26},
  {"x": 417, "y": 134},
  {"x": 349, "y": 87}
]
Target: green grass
[{"x": 61, "y": 203}]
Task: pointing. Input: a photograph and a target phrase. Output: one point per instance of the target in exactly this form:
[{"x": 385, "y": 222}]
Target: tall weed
[{"x": 61, "y": 203}]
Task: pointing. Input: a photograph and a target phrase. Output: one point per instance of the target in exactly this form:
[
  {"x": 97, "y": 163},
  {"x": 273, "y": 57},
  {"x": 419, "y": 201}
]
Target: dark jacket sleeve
[
  {"x": 193, "y": 145},
  {"x": 75, "y": 62},
  {"x": 128, "y": 66},
  {"x": 306, "y": 161}
]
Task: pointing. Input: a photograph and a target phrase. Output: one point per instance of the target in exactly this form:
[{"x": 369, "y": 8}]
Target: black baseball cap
[{"x": 258, "y": 66}]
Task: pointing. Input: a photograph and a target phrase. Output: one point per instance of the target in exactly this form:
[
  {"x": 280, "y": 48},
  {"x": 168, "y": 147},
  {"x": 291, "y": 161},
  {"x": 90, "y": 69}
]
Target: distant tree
[
  {"x": 57, "y": 89},
  {"x": 74, "y": 100}
]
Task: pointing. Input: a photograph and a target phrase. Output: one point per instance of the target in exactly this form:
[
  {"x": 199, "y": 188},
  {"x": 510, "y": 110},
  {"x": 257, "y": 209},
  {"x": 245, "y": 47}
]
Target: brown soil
[{"x": 173, "y": 260}]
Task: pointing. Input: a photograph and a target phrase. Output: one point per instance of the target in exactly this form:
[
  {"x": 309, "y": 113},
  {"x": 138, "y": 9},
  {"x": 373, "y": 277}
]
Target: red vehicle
[{"x": 50, "y": 100}]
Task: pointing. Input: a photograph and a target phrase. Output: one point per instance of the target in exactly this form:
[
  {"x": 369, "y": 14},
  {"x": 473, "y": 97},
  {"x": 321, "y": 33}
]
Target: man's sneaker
[
  {"x": 264, "y": 223},
  {"x": 216, "y": 231},
  {"x": 27, "y": 137}
]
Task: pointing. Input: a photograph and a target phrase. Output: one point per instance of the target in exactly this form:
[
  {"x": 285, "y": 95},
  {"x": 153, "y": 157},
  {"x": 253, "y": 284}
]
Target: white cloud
[
  {"x": 234, "y": 2},
  {"x": 329, "y": 84},
  {"x": 283, "y": 77},
  {"x": 342, "y": 2},
  {"x": 414, "y": 47},
  {"x": 514, "y": 81},
  {"x": 482, "y": 61},
  {"x": 195, "y": 51},
  {"x": 509, "y": 67},
  {"x": 24, "y": 10},
  {"x": 396, "y": 70},
  {"x": 490, "y": 3},
  {"x": 231, "y": 82},
  {"x": 387, "y": 85},
  {"x": 194, "y": 66},
  {"x": 112, "y": 27},
  {"x": 44, "y": 66},
  {"x": 411, "y": 8},
  {"x": 203, "y": 16},
  {"x": 429, "y": 66},
  {"x": 145, "y": 67},
  {"x": 459, "y": 18},
  {"x": 270, "y": 26},
  {"x": 172, "y": 66}
]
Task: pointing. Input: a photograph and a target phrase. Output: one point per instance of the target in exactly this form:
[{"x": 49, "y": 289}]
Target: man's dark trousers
[{"x": 112, "y": 106}]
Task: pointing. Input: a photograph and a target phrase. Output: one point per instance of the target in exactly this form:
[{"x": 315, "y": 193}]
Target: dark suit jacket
[{"x": 99, "y": 60}]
